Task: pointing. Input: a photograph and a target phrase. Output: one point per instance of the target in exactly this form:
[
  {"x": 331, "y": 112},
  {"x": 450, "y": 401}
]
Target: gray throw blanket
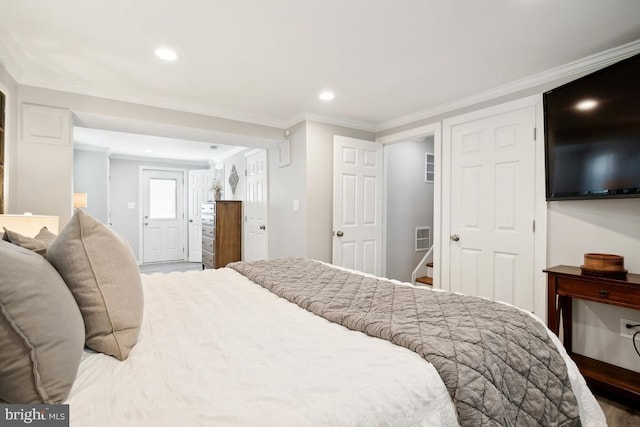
[{"x": 498, "y": 364}]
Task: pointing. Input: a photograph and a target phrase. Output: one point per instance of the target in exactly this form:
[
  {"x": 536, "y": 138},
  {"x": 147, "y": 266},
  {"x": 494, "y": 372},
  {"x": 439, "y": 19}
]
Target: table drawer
[{"x": 606, "y": 293}]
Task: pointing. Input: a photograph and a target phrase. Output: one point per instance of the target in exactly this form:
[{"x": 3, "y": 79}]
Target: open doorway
[
  {"x": 409, "y": 204},
  {"x": 107, "y": 166},
  {"x": 425, "y": 143}
]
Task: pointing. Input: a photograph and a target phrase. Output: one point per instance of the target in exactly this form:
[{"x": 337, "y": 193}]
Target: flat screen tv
[{"x": 592, "y": 135}]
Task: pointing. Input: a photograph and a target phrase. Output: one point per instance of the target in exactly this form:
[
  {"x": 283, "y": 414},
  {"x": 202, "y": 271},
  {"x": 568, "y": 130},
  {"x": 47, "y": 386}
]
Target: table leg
[
  {"x": 553, "y": 318},
  {"x": 567, "y": 322}
]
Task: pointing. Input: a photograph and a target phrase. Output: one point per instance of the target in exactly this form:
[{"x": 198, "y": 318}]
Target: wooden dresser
[
  {"x": 221, "y": 233},
  {"x": 566, "y": 283}
]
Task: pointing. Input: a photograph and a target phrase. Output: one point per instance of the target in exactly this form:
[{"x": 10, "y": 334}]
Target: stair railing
[{"x": 421, "y": 268}]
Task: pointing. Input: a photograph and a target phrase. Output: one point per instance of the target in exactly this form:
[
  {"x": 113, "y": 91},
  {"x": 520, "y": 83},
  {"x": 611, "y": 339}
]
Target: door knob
[
  {"x": 339, "y": 234},
  {"x": 190, "y": 220},
  {"x": 454, "y": 237},
  {"x": 263, "y": 227},
  {"x": 146, "y": 223}
]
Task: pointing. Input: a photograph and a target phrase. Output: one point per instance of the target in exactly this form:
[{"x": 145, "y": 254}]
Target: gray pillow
[
  {"x": 44, "y": 235},
  {"x": 100, "y": 270},
  {"x": 41, "y": 329},
  {"x": 31, "y": 243}
]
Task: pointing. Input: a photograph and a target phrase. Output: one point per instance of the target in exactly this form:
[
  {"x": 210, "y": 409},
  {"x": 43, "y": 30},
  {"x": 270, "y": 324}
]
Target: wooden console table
[{"x": 566, "y": 283}]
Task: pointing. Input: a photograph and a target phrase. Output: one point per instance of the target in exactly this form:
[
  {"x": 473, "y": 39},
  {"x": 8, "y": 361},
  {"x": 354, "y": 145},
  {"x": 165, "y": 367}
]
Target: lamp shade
[
  {"x": 29, "y": 225},
  {"x": 79, "y": 200}
]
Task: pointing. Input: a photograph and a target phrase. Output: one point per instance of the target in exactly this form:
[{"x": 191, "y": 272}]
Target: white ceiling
[
  {"x": 138, "y": 145},
  {"x": 266, "y": 61}
]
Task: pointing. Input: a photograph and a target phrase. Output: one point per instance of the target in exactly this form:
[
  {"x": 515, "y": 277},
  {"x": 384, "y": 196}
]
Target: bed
[
  {"x": 217, "y": 349},
  {"x": 238, "y": 346}
]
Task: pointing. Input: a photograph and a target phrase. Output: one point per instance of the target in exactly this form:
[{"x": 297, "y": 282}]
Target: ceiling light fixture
[
  {"x": 326, "y": 95},
  {"x": 166, "y": 54},
  {"x": 587, "y": 104}
]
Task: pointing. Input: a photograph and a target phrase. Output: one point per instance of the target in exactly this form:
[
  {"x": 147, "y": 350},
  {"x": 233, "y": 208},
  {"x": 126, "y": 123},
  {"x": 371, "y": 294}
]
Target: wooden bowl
[{"x": 603, "y": 263}]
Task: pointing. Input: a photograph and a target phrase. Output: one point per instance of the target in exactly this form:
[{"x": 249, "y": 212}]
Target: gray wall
[
  {"x": 91, "y": 176},
  {"x": 124, "y": 188},
  {"x": 288, "y": 229},
  {"x": 409, "y": 204},
  {"x": 239, "y": 161},
  {"x": 606, "y": 226},
  {"x": 308, "y": 179}
]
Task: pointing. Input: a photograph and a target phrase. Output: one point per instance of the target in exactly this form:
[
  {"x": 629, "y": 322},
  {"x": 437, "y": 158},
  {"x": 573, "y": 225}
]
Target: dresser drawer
[
  {"x": 208, "y": 220},
  {"x": 208, "y": 208},
  {"x": 600, "y": 292},
  {"x": 207, "y": 231},
  {"x": 207, "y": 244},
  {"x": 207, "y": 259}
]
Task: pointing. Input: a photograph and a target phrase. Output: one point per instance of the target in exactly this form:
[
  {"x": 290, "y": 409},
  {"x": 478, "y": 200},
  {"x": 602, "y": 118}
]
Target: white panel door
[
  {"x": 357, "y": 204},
  {"x": 199, "y": 190},
  {"x": 256, "y": 208},
  {"x": 492, "y": 207},
  {"x": 163, "y": 216}
]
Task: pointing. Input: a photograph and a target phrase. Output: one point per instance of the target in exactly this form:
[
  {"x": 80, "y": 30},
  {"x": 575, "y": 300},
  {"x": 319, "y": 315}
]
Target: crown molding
[
  {"x": 351, "y": 124},
  {"x": 584, "y": 65}
]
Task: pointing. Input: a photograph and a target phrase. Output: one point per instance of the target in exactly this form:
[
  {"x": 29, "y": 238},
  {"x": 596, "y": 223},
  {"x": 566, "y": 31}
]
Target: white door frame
[
  {"x": 422, "y": 131},
  {"x": 540, "y": 205},
  {"x": 8, "y": 148},
  {"x": 141, "y": 169}
]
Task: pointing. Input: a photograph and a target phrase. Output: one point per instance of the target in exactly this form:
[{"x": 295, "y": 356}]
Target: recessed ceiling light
[
  {"x": 587, "y": 104},
  {"x": 326, "y": 95},
  {"x": 166, "y": 54}
]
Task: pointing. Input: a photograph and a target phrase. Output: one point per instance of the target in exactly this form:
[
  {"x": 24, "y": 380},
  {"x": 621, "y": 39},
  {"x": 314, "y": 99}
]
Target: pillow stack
[{"x": 92, "y": 297}]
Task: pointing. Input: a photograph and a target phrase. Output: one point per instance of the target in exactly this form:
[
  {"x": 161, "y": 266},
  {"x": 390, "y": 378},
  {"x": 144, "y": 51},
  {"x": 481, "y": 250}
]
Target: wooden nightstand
[{"x": 566, "y": 283}]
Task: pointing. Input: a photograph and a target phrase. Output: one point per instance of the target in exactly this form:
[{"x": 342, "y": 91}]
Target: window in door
[{"x": 162, "y": 198}]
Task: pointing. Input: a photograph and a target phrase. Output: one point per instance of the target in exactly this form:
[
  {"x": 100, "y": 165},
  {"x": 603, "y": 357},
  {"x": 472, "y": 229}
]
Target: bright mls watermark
[{"x": 34, "y": 415}]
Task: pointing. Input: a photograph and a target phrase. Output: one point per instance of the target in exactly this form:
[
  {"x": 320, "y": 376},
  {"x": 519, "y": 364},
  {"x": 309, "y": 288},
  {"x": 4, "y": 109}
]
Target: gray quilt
[{"x": 498, "y": 364}]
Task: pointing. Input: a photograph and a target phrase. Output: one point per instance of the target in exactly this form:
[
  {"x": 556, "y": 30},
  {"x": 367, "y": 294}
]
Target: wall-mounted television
[{"x": 592, "y": 135}]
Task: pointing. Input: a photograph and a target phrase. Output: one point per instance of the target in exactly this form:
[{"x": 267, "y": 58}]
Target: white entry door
[
  {"x": 357, "y": 204},
  {"x": 199, "y": 190},
  {"x": 163, "y": 216},
  {"x": 256, "y": 208},
  {"x": 491, "y": 240}
]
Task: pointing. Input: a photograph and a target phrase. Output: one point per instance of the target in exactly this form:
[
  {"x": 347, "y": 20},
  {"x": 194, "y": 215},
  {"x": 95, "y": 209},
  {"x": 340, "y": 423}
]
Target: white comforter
[{"x": 218, "y": 350}]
